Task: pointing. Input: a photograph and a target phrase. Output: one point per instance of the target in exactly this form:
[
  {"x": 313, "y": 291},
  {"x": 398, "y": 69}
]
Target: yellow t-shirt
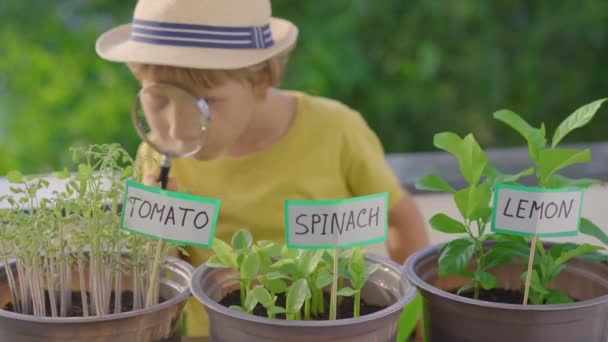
[{"x": 329, "y": 152}]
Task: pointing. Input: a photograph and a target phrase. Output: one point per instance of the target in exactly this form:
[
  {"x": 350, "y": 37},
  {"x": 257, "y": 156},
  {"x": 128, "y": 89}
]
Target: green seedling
[
  {"x": 547, "y": 266},
  {"x": 297, "y": 294},
  {"x": 273, "y": 269},
  {"x": 239, "y": 257},
  {"x": 473, "y": 203},
  {"x": 358, "y": 272},
  {"x": 267, "y": 300},
  {"x": 78, "y": 229}
]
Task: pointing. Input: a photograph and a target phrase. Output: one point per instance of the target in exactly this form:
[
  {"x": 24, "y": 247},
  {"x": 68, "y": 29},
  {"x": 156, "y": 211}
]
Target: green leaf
[
  {"x": 547, "y": 267},
  {"x": 309, "y": 261},
  {"x": 296, "y": 296},
  {"x": 276, "y": 275},
  {"x": 275, "y": 285},
  {"x": 464, "y": 289},
  {"x": 14, "y": 177},
  {"x": 250, "y": 266},
  {"x": 582, "y": 249},
  {"x": 556, "y": 181},
  {"x": 446, "y": 224},
  {"x": 501, "y": 254},
  {"x": 324, "y": 278},
  {"x": 494, "y": 176},
  {"x": 551, "y": 161},
  {"x": 589, "y": 228},
  {"x": 432, "y": 182},
  {"x": 242, "y": 240},
  {"x": 474, "y": 202},
  {"x": 473, "y": 160},
  {"x": 347, "y": 292},
  {"x": 534, "y": 136},
  {"x": 250, "y": 302},
  {"x": 270, "y": 248},
  {"x": 578, "y": 119},
  {"x": 276, "y": 310},
  {"x": 558, "y": 297},
  {"x": 263, "y": 296},
  {"x": 85, "y": 170},
  {"x": 64, "y": 174},
  {"x": 225, "y": 253},
  {"x": 215, "y": 262},
  {"x": 448, "y": 142},
  {"x": 487, "y": 280},
  {"x": 456, "y": 256},
  {"x": 290, "y": 253},
  {"x": 535, "y": 282}
]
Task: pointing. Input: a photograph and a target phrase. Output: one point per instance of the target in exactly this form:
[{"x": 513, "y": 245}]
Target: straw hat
[{"x": 203, "y": 34}]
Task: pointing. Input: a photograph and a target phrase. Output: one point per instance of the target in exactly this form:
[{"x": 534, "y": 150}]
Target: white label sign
[
  {"x": 175, "y": 217},
  {"x": 341, "y": 223},
  {"x": 528, "y": 211}
]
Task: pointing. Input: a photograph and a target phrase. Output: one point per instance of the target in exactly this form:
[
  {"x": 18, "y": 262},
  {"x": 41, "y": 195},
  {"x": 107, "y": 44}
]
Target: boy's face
[{"x": 232, "y": 105}]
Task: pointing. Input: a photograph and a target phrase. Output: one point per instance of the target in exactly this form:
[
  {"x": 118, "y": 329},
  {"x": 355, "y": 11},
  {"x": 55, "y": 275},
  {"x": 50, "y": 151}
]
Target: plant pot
[
  {"x": 386, "y": 287},
  {"x": 448, "y": 317},
  {"x": 158, "y": 323}
]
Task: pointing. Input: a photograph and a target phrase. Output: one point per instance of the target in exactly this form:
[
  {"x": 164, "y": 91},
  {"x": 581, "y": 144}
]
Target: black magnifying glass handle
[{"x": 163, "y": 178}]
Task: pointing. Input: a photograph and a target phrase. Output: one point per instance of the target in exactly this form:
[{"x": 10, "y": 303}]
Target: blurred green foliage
[{"x": 413, "y": 68}]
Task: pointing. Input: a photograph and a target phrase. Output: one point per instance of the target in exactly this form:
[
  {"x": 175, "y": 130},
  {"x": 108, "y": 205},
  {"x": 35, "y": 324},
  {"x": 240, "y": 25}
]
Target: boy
[{"x": 265, "y": 145}]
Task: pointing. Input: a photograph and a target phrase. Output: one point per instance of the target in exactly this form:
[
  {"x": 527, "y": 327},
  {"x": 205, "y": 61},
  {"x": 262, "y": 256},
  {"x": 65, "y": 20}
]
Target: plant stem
[
  {"x": 118, "y": 292},
  {"x": 150, "y": 300},
  {"x": 23, "y": 287},
  {"x": 11, "y": 281},
  {"x": 529, "y": 274},
  {"x": 307, "y": 309},
  {"x": 321, "y": 302},
  {"x": 357, "y": 308},
  {"x": 63, "y": 285},
  {"x": 83, "y": 289},
  {"x": 51, "y": 287},
  {"x": 136, "y": 294},
  {"x": 315, "y": 302},
  {"x": 298, "y": 315},
  {"x": 243, "y": 293}
]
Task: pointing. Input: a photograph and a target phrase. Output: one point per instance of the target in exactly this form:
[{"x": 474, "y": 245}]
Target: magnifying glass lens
[{"x": 171, "y": 120}]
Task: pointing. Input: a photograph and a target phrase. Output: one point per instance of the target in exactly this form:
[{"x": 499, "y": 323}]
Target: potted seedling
[
  {"x": 70, "y": 273},
  {"x": 320, "y": 284},
  {"x": 499, "y": 281}
]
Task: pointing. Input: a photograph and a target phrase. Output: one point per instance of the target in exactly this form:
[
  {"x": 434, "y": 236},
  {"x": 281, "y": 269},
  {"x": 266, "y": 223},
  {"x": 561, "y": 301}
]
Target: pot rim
[
  {"x": 427, "y": 252},
  {"x": 211, "y": 304},
  {"x": 70, "y": 320}
]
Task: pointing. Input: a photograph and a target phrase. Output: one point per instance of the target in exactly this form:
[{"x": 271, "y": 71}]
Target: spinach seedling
[
  {"x": 239, "y": 257},
  {"x": 358, "y": 272},
  {"x": 267, "y": 300}
]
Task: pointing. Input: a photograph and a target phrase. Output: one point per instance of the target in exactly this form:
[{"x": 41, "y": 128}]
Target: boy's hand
[{"x": 152, "y": 180}]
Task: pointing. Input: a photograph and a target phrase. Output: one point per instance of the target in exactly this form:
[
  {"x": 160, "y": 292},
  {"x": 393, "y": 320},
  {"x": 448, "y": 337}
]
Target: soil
[
  {"x": 497, "y": 295},
  {"x": 345, "y": 308},
  {"x": 77, "y": 311}
]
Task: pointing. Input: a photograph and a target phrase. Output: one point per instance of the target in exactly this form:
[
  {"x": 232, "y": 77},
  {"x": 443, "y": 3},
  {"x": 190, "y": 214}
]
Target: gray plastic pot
[
  {"x": 448, "y": 317},
  {"x": 386, "y": 286},
  {"x": 158, "y": 323}
]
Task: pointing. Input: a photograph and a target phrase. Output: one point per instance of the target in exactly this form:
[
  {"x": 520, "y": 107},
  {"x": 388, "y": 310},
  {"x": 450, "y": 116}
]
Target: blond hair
[{"x": 210, "y": 78}]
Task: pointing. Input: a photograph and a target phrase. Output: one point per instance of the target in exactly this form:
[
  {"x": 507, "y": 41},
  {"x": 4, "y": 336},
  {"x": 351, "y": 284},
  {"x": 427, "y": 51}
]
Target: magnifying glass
[{"x": 171, "y": 121}]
